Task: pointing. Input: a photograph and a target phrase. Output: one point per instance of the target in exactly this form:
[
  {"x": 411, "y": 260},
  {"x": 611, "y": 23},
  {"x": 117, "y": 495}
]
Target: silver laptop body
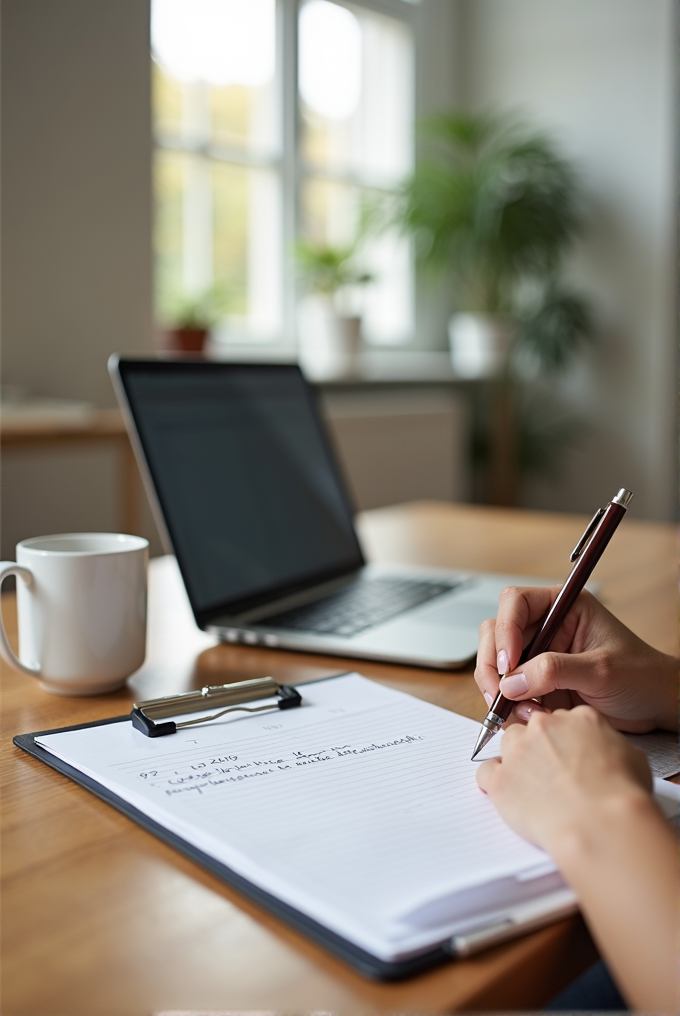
[{"x": 248, "y": 496}]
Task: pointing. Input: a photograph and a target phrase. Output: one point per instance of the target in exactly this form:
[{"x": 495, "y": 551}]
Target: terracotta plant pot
[{"x": 187, "y": 340}]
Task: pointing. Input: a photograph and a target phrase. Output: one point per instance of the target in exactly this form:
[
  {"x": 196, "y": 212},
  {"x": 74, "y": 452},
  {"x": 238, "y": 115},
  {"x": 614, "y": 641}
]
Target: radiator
[{"x": 397, "y": 447}]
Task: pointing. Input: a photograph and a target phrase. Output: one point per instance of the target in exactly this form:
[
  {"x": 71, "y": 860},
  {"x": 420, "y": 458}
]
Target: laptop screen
[{"x": 245, "y": 478}]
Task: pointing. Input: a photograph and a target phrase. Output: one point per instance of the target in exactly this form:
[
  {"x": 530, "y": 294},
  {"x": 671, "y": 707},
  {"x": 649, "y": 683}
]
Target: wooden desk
[{"x": 101, "y": 918}]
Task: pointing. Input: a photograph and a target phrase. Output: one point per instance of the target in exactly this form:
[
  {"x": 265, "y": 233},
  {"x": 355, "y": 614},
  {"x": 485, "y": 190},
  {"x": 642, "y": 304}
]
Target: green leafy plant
[
  {"x": 326, "y": 269},
  {"x": 199, "y": 310},
  {"x": 493, "y": 203},
  {"x": 495, "y": 207}
]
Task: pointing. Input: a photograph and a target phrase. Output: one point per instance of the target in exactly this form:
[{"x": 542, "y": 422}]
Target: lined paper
[
  {"x": 662, "y": 750},
  {"x": 360, "y": 808}
]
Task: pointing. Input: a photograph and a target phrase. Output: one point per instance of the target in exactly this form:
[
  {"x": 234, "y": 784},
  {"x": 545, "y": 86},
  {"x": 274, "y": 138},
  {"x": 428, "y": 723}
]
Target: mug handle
[{"x": 11, "y": 568}]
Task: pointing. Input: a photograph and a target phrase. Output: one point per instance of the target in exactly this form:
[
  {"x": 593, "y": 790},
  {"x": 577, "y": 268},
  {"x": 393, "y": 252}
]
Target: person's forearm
[{"x": 623, "y": 865}]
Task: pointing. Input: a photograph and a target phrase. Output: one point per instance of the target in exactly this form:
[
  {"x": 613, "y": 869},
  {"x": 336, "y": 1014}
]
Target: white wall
[
  {"x": 76, "y": 235},
  {"x": 438, "y": 86},
  {"x": 76, "y": 192},
  {"x": 600, "y": 75}
]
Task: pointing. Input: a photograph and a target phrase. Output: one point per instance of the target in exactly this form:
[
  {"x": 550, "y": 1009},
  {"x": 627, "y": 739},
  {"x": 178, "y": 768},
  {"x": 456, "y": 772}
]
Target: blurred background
[{"x": 458, "y": 215}]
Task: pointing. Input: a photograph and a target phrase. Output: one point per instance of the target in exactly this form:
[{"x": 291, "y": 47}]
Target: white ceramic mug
[{"x": 81, "y": 601}]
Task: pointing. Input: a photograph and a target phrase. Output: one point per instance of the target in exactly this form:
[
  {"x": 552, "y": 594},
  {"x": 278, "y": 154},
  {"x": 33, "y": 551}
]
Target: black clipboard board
[{"x": 359, "y": 959}]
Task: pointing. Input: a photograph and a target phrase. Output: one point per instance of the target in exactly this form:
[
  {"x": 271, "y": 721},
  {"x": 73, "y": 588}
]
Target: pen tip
[{"x": 485, "y": 736}]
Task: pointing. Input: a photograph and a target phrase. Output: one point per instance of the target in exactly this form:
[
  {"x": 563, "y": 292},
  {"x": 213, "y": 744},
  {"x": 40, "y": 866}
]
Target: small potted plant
[
  {"x": 192, "y": 315},
  {"x": 333, "y": 273}
]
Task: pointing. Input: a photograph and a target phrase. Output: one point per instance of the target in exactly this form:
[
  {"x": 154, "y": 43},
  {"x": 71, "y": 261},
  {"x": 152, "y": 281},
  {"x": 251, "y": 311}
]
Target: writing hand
[
  {"x": 594, "y": 659},
  {"x": 573, "y": 786},
  {"x": 558, "y": 774}
]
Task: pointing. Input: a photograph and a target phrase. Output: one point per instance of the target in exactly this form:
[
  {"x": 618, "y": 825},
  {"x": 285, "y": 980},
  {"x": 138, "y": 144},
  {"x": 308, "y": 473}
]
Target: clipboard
[{"x": 538, "y": 914}]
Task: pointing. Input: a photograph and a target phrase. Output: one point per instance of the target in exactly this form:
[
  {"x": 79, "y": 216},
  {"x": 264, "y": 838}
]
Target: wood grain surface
[{"x": 100, "y": 918}]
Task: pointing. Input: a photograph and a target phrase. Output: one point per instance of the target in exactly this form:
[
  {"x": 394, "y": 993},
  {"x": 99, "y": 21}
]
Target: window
[{"x": 274, "y": 120}]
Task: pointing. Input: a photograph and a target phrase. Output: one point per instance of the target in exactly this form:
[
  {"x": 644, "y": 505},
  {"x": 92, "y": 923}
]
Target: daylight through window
[{"x": 260, "y": 141}]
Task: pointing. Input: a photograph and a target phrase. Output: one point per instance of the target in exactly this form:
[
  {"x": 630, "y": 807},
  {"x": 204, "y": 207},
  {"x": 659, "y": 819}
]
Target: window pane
[
  {"x": 356, "y": 91},
  {"x": 168, "y": 103},
  {"x": 215, "y": 73},
  {"x": 331, "y": 216},
  {"x": 246, "y": 250},
  {"x": 330, "y": 212},
  {"x": 243, "y": 117},
  {"x": 216, "y": 100},
  {"x": 389, "y": 302},
  {"x": 168, "y": 231},
  {"x": 220, "y": 223}
]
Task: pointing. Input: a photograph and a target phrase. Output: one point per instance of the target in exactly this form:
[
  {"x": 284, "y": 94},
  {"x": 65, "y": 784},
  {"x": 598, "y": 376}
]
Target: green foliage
[
  {"x": 200, "y": 309},
  {"x": 495, "y": 206},
  {"x": 326, "y": 269},
  {"x": 494, "y": 203},
  {"x": 557, "y": 329}
]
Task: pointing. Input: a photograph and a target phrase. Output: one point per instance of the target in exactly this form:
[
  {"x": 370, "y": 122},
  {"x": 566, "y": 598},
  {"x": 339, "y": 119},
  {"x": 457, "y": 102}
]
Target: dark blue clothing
[{"x": 592, "y": 992}]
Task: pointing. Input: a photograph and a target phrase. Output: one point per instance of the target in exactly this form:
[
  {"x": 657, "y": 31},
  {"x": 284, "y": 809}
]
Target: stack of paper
[{"x": 360, "y": 809}]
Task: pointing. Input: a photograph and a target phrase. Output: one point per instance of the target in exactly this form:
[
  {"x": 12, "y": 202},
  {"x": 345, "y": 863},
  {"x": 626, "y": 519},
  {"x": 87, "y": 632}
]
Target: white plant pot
[
  {"x": 329, "y": 342},
  {"x": 347, "y": 335},
  {"x": 479, "y": 344}
]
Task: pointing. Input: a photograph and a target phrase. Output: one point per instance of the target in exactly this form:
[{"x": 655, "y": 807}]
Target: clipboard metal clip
[{"x": 146, "y": 715}]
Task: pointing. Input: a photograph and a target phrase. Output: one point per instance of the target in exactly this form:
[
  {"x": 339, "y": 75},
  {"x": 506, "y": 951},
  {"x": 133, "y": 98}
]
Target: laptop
[{"x": 249, "y": 497}]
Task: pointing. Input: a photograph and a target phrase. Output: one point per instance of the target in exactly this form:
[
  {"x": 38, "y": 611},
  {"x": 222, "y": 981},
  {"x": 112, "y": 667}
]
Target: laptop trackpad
[{"x": 457, "y": 613}]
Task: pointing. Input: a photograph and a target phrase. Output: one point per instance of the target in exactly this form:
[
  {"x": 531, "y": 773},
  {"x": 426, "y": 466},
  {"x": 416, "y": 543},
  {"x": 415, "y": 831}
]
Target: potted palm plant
[{"x": 495, "y": 207}]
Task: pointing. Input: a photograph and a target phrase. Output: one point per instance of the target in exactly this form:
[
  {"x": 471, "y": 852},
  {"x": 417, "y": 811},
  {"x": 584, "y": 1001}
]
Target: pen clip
[{"x": 580, "y": 546}]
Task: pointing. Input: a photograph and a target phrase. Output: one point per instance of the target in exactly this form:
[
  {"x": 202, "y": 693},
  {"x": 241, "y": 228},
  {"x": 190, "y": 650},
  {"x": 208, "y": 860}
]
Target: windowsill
[
  {"x": 389, "y": 366},
  {"x": 369, "y": 367}
]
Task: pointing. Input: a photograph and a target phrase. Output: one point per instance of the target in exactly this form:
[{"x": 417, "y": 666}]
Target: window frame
[
  {"x": 287, "y": 161},
  {"x": 288, "y": 12}
]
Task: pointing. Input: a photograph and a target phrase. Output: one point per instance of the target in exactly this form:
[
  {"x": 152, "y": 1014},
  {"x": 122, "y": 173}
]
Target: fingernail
[
  {"x": 488, "y": 698},
  {"x": 514, "y": 685},
  {"x": 525, "y": 710},
  {"x": 502, "y": 662}
]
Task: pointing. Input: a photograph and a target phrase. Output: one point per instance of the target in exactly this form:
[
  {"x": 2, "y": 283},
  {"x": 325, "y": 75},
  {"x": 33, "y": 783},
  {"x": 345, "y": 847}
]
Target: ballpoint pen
[{"x": 586, "y": 554}]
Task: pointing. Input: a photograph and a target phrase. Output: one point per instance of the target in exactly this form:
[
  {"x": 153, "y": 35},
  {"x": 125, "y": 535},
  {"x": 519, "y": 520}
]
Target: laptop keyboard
[{"x": 361, "y": 606}]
